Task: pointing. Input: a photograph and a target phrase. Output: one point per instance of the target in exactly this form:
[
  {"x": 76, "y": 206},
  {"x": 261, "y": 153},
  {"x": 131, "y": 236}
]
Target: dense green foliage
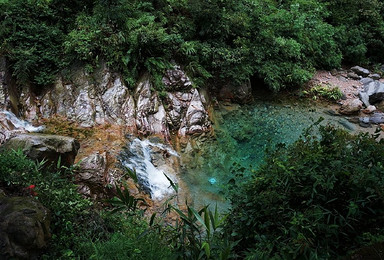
[
  {"x": 54, "y": 190},
  {"x": 279, "y": 42},
  {"x": 77, "y": 228},
  {"x": 316, "y": 199}
]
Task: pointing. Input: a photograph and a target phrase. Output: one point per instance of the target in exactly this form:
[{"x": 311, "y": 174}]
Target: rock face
[
  {"x": 196, "y": 119},
  {"x": 88, "y": 100},
  {"x": 24, "y": 228},
  {"x": 48, "y": 147},
  {"x": 103, "y": 98},
  {"x": 176, "y": 80},
  {"x": 373, "y": 93}
]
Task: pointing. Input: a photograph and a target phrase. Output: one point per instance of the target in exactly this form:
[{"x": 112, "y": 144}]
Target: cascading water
[
  {"x": 21, "y": 124},
  {"x": 138, "y": 156}
]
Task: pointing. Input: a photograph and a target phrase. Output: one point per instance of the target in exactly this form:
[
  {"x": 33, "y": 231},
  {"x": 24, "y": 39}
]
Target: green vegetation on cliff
[{"x": 280, "y": 42}]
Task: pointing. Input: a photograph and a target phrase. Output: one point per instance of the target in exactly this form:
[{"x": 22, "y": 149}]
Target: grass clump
[{"x": 325, "y": 92}]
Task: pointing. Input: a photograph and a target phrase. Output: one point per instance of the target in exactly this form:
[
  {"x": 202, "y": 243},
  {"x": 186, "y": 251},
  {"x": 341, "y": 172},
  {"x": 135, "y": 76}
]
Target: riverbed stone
[
  {"x": 366, "y": 80},
  {"x": 24, "y": 228},
  {"x": 45, "y": 147},
  {"x": 369, "y": 110},
  {"x": 377, "y": 118},
  {"x": 375, "y": 76},
  {"x": 351, "y": 106},
  {"x": 353, "y": 75},
  {"x": 360, "y": 71},
  {"x": 373, "y": 93}
]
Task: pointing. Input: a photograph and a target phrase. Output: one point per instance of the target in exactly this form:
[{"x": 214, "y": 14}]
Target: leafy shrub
[
  {"x": 55, "y": 190},
  {"x": 125, "y": 241},
  {"x": 316, "y": 199},
  {"x": 330, "y": 93},
  {"x": 360, "y": 29}
]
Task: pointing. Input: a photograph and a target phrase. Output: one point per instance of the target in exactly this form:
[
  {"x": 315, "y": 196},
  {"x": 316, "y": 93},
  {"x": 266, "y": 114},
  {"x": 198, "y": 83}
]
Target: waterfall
[
  {"x": 21, "y": 124},
  {"x": 138, "y": 156}
]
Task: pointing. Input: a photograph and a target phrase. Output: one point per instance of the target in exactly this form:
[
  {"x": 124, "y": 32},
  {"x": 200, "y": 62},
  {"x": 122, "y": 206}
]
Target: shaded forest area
[{"x": 280, "y": 42}]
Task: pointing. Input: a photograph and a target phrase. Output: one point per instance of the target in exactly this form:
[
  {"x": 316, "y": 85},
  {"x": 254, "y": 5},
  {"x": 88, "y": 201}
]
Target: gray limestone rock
[
  {"x": 103, "y": 98},
  {"x": 373, "y": 93},
  {"x": 360, "y": 71},
  {"x": 375, "y": 76},
  {"x": 93, "y": 175},
  {"x": 150, "y": 113},
  {"x": 353, "y": 75},
  {"x": 376, "y": 118},
  {"x": 365, "y": 81},
  {"x": 369, "y": 110},
  {"x": 196, "y": 119},
  {"x": 45, "y": 147}
]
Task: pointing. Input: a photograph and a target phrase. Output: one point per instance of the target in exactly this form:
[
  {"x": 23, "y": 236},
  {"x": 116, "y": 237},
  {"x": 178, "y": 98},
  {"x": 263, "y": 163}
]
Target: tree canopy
[{"x": 279, "y": 42}]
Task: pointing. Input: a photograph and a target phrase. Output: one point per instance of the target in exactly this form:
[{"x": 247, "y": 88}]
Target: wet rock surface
[{"x": 24, "y": 228}]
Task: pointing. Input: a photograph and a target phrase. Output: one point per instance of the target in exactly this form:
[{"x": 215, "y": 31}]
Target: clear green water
[{"x": 242, "y": 135}]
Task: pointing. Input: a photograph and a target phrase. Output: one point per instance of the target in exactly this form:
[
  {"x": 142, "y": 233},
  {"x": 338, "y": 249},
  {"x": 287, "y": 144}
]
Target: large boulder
[
  {"x": 373, "y": 93},
  {"x": 360, "y": 71},
  {"x": 45, "y": 147},
  {"x": 24, "y": 228},
  {"x": 351, "y": 106}
]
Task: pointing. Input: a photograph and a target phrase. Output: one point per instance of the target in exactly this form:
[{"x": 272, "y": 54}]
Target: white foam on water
[
  {"x": 149, "y": 175},
  {"x": 18, "y": 123}
]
